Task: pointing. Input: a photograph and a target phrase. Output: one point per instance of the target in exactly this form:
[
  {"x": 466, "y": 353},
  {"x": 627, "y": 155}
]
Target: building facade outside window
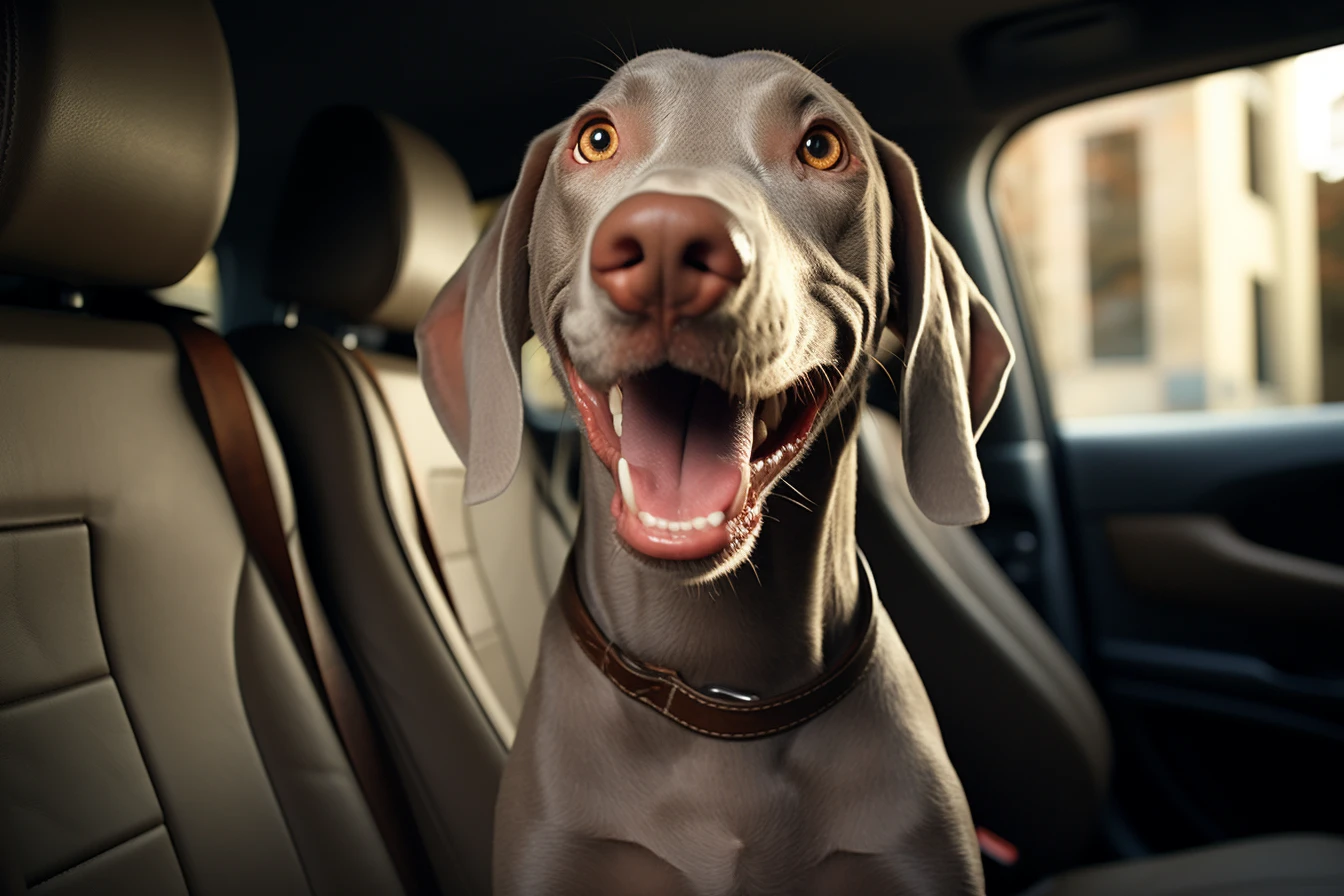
[{"x": 1182, "y": 247}]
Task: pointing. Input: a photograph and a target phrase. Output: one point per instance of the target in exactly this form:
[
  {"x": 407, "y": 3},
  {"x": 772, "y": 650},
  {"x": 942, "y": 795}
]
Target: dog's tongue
[{"x": 686, "y": 442}]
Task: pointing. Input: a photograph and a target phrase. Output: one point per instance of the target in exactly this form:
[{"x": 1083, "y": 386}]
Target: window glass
[{"x": 1182, "y": 247}]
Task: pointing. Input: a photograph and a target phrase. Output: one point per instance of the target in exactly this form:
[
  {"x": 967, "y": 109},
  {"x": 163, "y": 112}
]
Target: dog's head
[{"x": 710, "y": 250}]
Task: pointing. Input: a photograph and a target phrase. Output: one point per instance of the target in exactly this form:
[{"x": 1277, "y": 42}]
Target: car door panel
[{"x": 1207, "y": 548}]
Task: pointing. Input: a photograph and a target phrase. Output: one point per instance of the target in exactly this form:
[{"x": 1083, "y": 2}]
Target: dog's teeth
[
  {"x": 712, "y": 521},
  {"x": 736, "y": 507},
  {"x": 614, "y": 400},
  {"x": 627, "y": 487},
  {"x": 761, "y": 432},
  {"x": 772, "y": 411}
]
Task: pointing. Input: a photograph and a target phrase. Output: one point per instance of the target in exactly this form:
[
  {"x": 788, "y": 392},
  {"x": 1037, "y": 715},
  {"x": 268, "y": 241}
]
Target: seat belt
[
  {"x": 238, "y": 450},
  {"x": 424, "y": 523}
]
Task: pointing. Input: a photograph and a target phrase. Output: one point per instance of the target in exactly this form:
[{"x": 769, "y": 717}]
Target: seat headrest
[
  {"x": 119, "y": 139},
  {"x": 373, "y": 220}
]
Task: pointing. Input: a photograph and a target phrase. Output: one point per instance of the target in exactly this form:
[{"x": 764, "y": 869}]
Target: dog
[{"x": 710, "y": 251}]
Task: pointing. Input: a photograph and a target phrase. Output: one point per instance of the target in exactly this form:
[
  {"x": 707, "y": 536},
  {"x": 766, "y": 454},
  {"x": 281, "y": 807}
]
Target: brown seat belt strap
[
  {"x": 424, "y": 523},
  {"x": 243, "y": 465}
]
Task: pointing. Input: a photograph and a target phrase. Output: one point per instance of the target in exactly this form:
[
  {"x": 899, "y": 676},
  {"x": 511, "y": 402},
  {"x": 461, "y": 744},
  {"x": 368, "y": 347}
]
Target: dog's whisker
[
  {"x": 619, "y": 58},
  {"x": 793, "y": 501},
  {"x": 756, "y": 572},
  {"x": 872, "y": 356},
  {"x": 797, "y": 492},
  {"x": 598, "y": 78},
  {"x": 825, "y": 61},
  {"x": 625, "y": 57},
  {"x": 590, "y": 61}
]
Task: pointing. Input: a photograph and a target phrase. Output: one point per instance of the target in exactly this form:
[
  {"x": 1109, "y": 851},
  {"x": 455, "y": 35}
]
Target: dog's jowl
[{"x": 710, "y": 250}]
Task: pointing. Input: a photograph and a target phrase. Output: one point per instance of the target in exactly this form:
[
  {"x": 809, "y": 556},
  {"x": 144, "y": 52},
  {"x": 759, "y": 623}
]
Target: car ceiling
[{"x": 483, "y": 78}]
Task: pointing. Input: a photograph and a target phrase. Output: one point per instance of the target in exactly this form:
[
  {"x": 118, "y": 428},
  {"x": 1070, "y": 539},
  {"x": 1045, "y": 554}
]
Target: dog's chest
[{"x": 739, "y": 818}]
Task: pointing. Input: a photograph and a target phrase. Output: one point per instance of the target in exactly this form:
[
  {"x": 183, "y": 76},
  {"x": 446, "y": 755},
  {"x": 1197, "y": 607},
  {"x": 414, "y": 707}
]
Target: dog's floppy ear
[
  {"x": 469, "y": 342},
  {"x": 957, "y": 356}
]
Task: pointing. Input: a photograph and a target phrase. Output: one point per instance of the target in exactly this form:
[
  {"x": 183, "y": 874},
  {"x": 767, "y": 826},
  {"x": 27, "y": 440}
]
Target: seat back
[
  {"x": 373, "y": 219},
  {"x": 158, "y": 731}
]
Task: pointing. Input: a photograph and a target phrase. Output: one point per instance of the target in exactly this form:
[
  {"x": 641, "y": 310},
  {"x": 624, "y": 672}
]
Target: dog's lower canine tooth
[
  {"x": 772, "y": 410},
  {"x": 627, "y": 486},
  {"x": 741, "y": 498},
  {"x": 761, "y": 432},
  {"x": 646, "y": 518},
  {"x": 715, "y": 519},
  {"x": 616, "y": 423}
]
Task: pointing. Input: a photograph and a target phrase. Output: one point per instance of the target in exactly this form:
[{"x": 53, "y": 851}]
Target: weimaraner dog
[{"x": 710, "y": 250}]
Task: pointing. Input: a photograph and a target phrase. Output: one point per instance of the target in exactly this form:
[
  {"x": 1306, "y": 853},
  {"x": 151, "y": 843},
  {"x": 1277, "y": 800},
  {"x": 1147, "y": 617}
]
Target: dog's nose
[{"x": 667, "y": 256}]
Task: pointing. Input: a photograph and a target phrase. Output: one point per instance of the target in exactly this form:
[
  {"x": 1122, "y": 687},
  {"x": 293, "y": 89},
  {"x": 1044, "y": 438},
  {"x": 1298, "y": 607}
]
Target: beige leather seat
[
  {"x": 1023, "y": 727},
  {"x": 158, "y": 731},
  {"x": 373, "y": 220}
]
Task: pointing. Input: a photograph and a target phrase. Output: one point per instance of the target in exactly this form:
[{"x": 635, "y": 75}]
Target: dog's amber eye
[
  {"x": 597, "y": 142},
  {"x": 821, "y": 149}
]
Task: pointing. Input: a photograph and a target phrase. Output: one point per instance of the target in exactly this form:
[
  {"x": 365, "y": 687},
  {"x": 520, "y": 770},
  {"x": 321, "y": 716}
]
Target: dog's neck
[{"x": 763, "y": 630}]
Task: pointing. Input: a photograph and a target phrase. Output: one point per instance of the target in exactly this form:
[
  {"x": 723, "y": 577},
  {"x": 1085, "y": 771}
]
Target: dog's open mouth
[{"x": 690, "y": 461}]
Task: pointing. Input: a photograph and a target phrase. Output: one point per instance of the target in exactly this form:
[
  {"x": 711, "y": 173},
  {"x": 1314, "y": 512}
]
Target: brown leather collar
[{"x": 666, "y": 692}]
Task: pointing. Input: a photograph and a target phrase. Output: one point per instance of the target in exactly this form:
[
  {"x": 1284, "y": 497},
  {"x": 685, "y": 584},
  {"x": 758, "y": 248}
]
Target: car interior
[{"x": 1135, "y": 662}]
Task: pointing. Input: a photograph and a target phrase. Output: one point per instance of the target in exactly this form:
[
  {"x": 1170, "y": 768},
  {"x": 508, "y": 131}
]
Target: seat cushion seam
[
  {"x": 56, "y": 691},
  {"x": 144, "y": 832},
  {"x": 126, "y": 706}
]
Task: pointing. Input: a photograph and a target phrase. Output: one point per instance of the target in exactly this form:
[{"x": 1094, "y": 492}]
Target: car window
[{"x": 1182, "y": 247}]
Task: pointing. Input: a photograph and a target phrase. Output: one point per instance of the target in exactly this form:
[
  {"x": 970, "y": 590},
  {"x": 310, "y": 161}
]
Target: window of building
[
  {"x": 1261, "y": 325},
  {"x": 1181, "y": 247},
  {"x": 1255, "y": 175},
  {"x": 1114, "y": 256}
]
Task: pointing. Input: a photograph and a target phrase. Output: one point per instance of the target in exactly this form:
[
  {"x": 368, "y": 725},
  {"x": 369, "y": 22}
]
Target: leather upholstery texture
[
  {"x": 374, "y": 220},
  {"x": 158, "y": 732},
  {"x": 430, "y": 694},
  {"x": 118, "y": 139},
  {"x": 491, "y": 554}
]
